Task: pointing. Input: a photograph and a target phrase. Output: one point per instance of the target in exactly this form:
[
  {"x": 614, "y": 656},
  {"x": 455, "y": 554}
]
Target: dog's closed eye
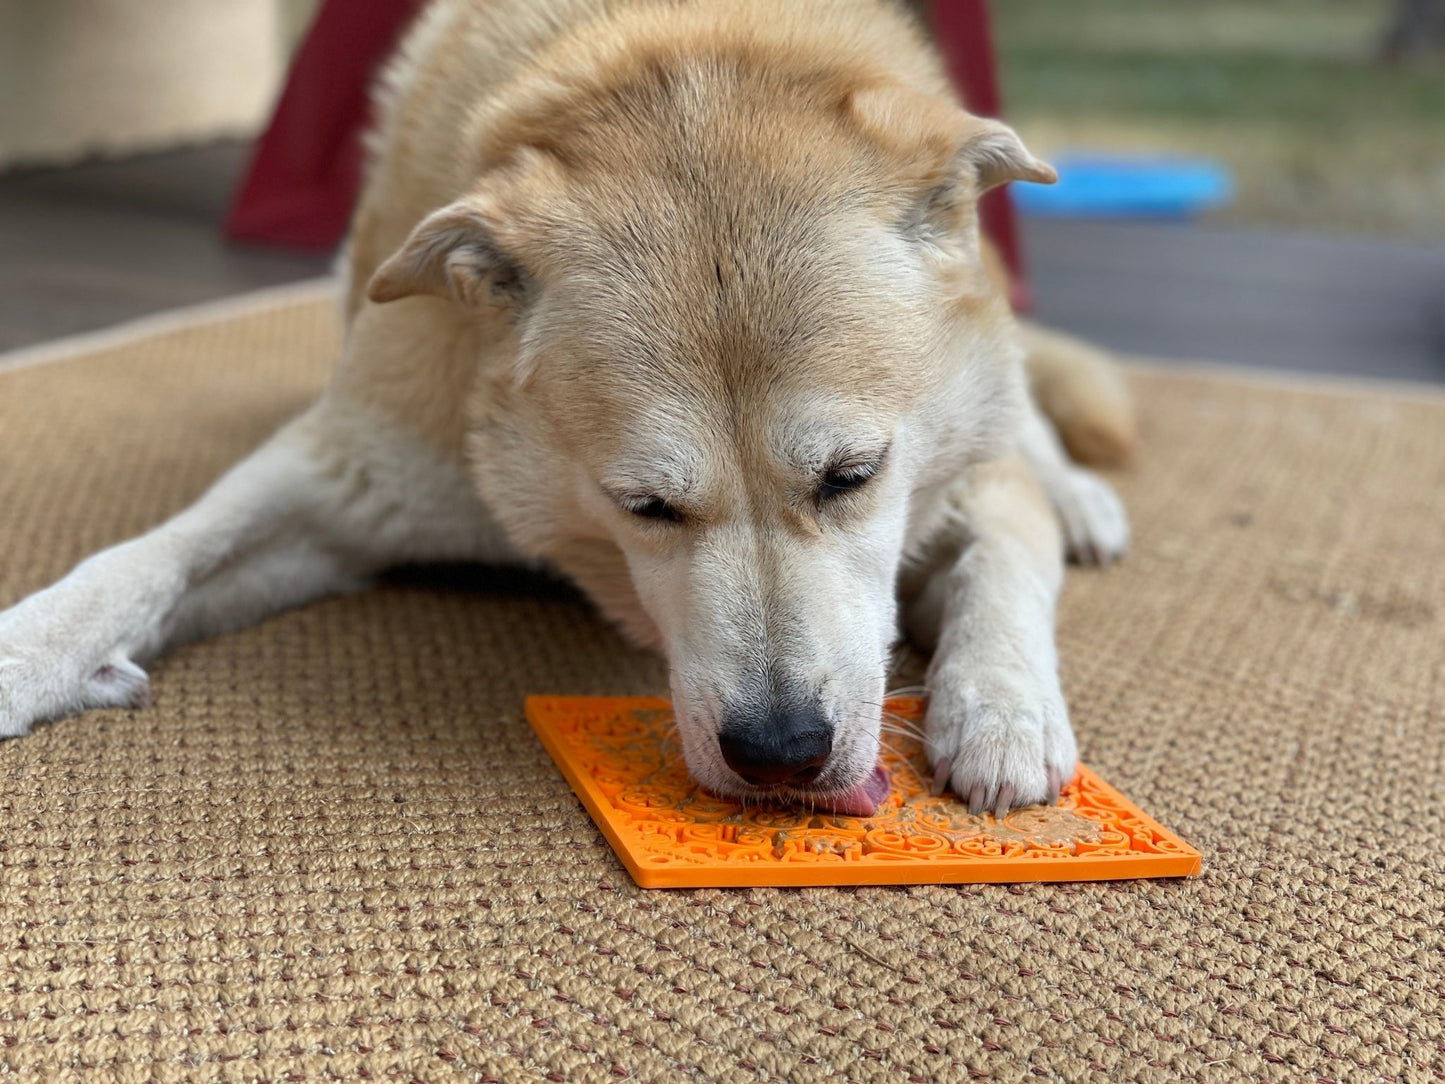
[
  {"x": 651, "y": 508},
  {"x": 844, "y": 477},
  {"x": 841, "y": 481}
]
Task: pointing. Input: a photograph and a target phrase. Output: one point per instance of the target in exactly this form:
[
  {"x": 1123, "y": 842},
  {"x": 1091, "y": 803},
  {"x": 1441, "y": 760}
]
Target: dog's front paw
[
  {"x": 1095, "y": 525},
  {"x": 47, "y": 672},
  {"x": 1000, "y": 740}
]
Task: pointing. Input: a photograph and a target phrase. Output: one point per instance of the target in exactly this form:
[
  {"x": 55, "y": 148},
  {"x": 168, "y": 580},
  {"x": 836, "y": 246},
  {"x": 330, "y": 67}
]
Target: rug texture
[{"x": 332, "y": 849}]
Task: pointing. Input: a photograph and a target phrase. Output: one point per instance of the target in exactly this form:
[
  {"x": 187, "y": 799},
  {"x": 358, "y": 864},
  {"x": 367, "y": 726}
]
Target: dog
[{"x": 687, "y": 300}]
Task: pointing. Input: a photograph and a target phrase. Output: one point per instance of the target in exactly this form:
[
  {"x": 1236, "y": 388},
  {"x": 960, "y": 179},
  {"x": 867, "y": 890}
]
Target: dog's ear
[
  {"x": 995, "y": 155},
  {"x": 945, "y": 157},
  {"x": 989, "y": 153},
  {"x": 452, "y": 254}
]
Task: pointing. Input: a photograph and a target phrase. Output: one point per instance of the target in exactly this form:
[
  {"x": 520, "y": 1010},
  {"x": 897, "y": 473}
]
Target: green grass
[{"x": 1287, "y": 92}]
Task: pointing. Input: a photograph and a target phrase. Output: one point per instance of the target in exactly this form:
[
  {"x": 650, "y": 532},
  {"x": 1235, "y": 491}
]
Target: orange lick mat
[{"x": 624, "y": 760}]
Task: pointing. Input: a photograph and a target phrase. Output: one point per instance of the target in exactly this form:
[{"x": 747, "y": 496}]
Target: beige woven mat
[{"x": 333, "y": 850}]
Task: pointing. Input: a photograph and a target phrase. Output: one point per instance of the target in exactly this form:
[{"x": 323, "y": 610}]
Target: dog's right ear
[{"x": 452, "y": 254}]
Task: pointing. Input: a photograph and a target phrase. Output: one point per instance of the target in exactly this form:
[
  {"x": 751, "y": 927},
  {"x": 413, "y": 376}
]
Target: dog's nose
[
  {"x": 765, "y": 758},
  {"x": 784, "y": 746}
]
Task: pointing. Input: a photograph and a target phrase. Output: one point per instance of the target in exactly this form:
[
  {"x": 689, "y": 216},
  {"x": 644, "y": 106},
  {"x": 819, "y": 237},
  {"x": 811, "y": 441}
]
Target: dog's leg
[
  {"x": 1095, "y": 525},
  {"x": 334, "y": 497},
  {"x": 998, "y": 730},
  {"x": 1078, "y": 397}
]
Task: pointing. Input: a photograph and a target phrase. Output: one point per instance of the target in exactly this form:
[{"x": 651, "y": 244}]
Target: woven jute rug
[{"x": 332, "y": 849}]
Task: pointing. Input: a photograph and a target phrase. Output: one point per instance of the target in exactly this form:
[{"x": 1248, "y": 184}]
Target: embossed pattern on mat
[{"x": 332, "y": 849}]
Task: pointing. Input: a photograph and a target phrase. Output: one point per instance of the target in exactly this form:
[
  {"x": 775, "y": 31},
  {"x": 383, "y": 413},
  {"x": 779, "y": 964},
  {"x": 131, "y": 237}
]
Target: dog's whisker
[
  {"x": 908, "y": 690},
  {"x": 901, "y": 723},
  {"x": 895, "y": 750},
  {"x": 901, "y": 726}
]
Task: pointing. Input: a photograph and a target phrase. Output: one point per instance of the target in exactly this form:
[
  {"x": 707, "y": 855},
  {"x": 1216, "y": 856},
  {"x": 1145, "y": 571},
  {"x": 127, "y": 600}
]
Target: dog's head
[{"x": 745, "y": 333}]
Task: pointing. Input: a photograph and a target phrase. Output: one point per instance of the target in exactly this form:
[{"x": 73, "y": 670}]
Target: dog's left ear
[
  {"x": 995, "y": 155},
  {"x": 945, "y": 156},
  {"x": 452, "y": 254}
]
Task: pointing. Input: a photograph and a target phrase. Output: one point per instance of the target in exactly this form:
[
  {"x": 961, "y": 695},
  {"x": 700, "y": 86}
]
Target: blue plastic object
[{"x": 1126, "y": 186}]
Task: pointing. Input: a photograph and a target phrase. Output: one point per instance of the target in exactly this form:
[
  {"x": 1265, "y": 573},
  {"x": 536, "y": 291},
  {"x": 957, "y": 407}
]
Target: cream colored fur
[{"x": 642, "y": 290}]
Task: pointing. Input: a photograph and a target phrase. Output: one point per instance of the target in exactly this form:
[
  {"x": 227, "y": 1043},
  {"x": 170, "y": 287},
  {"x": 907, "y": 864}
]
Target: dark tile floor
[
  {"x": 1354, "y": 306},
  {"x": 103, "y": 242},
  {"x": 89, "y": 246}
]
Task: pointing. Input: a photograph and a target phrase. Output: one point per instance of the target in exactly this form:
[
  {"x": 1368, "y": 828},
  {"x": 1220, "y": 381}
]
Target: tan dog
[{"x": 692, "y": 295}]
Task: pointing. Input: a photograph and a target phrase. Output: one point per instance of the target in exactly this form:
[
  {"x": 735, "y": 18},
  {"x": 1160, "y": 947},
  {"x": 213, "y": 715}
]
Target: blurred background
[{"x": 1243, "y": 182}]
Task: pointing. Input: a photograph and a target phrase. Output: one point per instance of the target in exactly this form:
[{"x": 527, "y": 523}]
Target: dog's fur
[{"x": 691, "y": 293}]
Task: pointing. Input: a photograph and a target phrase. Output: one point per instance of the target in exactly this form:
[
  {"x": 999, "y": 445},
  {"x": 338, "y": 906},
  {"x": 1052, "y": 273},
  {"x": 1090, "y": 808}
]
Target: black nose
[{"x": 788, "y": 744}]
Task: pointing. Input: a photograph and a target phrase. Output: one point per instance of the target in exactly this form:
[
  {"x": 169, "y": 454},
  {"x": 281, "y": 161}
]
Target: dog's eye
[
  {"x": 840, "y": 480},
  {"x": 653, "y": 508}
]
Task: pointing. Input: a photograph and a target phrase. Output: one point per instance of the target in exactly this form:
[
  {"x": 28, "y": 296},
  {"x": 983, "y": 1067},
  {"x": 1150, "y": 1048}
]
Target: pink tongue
[{"x": 861, "y": 800}]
